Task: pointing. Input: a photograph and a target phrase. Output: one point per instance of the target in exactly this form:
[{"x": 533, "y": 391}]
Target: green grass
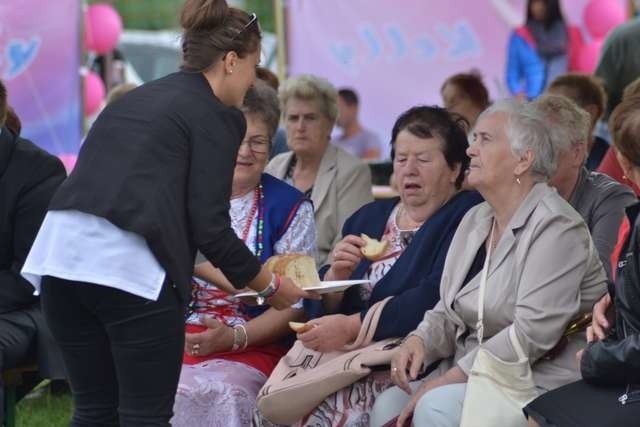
[{"x": 44, "y": 411}]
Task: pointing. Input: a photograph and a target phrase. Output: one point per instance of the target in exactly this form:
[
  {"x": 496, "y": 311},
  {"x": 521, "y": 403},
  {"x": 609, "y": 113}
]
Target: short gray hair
[
  {"x": 526, "y": 131},
  {"x": 262, "y": 100},
  {"x": 567, "y": 123},
  {"x": 310, "y": 87}
]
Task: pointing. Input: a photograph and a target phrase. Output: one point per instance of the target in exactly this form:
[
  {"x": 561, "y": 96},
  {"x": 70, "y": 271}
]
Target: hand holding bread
[
  {"x": 345, "y": 257},
  {"x": 373, "y": 249},
  {"x": 299, "y": 327}
]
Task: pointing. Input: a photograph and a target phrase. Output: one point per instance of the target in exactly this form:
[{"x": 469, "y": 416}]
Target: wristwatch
[{"x": 270, "y": 290}]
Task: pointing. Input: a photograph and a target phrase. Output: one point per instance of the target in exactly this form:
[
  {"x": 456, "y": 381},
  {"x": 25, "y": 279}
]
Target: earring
[{"x": 518, "y": 180}]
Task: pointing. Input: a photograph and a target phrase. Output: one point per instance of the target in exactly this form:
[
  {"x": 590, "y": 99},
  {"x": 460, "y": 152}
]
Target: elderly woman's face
[
  {"x": 308, "y": 129},
  {"x": 253, "y": 153},
  {"x": 492, "y": 161},
  {"x": 421, "y": 171}
]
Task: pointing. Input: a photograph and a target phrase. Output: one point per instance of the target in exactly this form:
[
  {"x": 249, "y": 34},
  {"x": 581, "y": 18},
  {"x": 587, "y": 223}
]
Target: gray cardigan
[{"x": 544, "y": 272}]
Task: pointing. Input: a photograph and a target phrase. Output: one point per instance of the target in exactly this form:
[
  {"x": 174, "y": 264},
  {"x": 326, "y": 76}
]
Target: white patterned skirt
[
  {"x": 349, "y": 407},
  {"x": 216, "y": 393}
]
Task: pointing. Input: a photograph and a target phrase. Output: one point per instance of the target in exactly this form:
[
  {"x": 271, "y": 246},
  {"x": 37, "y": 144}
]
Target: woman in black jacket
[
  {"x": 115, "y": 253},
  {"x": 609, "y": 393}
]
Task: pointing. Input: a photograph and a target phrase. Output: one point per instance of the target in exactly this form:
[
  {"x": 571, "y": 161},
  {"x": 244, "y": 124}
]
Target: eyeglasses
[
  {"x": 257, "y": 146},
  {"x": 253, "y": 18}
]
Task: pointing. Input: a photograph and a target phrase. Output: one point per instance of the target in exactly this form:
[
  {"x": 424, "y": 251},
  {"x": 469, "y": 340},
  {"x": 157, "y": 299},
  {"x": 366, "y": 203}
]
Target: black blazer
[
  {"x": 159, "y": 162},
  {"x": 28, "y": 178}
]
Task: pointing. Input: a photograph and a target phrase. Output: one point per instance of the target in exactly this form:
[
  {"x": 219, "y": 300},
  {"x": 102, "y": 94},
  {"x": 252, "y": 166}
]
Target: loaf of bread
[
  {"x": 373, "y": 249},
  {"x": 301, "y": 269}
]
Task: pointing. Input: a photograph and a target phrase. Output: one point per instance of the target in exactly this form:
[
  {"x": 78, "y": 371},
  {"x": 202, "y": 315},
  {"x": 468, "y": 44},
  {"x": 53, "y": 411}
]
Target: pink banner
[
  {"x": 39, "y": 62},
  {"x": 397, "y": 53}
]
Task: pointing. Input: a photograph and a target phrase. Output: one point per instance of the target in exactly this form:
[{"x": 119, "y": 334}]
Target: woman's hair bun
[{"x": 198, "y": 15}]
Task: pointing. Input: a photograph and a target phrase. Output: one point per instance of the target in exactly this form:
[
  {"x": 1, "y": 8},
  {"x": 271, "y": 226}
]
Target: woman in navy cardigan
[{"x": 429, "y": 162}]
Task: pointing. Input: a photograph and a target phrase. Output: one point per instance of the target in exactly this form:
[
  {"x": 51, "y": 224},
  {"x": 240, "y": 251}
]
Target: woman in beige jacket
[
  {"x": 337, "y": 183},
  {"x": 543, "y": 272}
]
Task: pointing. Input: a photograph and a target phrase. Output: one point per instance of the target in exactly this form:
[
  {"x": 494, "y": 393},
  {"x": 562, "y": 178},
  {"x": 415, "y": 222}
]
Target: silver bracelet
[{"x": 237, "y": 340}]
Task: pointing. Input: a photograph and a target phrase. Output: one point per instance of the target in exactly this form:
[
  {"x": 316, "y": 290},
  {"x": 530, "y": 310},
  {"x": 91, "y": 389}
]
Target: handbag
[
  {"x": 496, "y": 390},
  {"x": 303, "y": 378}
]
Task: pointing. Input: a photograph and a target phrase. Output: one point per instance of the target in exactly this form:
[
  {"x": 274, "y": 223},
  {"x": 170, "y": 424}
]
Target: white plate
[{"x": 322, "y": 288}]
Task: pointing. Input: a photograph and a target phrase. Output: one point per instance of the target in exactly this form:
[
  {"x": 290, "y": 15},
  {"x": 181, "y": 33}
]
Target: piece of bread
[
  {"x": 373, "y": 249},
  {"x": 301, "y": 269},
  {"x": 299, "y": 327}
]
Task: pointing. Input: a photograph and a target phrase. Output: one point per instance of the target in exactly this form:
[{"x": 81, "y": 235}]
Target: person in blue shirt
[{"x": 540, "y": 50}]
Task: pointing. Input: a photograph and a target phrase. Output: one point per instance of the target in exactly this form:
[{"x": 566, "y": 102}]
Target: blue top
[
  {"x": 281, "y": 203},
  {"x": 525, "y": 68},
  {"x": 414, "y": 279}
]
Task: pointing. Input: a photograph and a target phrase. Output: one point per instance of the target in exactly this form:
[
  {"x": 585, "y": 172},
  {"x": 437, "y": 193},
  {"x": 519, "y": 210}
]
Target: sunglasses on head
[{"x": 253, "y": 19}]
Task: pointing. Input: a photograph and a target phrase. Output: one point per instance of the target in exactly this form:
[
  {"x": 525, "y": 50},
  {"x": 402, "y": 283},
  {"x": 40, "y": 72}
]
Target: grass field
[{"x": 44, "y": 411}]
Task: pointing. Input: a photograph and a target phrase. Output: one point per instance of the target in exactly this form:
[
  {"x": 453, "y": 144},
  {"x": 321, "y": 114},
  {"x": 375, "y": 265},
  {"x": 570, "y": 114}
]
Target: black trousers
[
  {"x": 17, "y": 344},
  {"x": 122, "y": 353}
]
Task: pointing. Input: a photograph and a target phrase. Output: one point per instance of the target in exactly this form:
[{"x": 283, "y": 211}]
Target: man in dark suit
[{"x": 28, "y": 178}]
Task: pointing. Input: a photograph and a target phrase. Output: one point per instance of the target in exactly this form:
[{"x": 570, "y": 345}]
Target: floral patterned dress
[
  {"x": 220, "y": 389},
  {"x": 350, "y": 406}
]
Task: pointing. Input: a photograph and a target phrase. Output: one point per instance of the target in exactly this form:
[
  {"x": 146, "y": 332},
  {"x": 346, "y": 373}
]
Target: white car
[{"x": 150, "y": 55}]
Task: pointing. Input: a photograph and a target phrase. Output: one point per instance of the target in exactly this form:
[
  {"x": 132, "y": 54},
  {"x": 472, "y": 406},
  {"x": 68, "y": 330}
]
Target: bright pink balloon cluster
[
  {"x": 103, "y": 27},
  {"x": 94, "y": 93},
  {"x": 600, "y": 17},
  {"x": 102, "y": 30}
]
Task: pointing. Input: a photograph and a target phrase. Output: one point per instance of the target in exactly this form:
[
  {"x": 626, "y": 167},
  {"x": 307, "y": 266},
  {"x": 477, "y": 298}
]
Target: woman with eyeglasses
[
  {"x": 114, "y": 256},
  {"x": 231, "y": 348}
]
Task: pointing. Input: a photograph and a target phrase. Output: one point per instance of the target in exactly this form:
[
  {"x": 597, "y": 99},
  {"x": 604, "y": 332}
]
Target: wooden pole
[{"x": 278, "y": 7}]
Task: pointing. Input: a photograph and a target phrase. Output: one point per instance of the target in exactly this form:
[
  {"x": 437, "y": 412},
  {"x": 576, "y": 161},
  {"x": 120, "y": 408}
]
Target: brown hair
[
  {"x": 3, "y": 103},
  {"x": 624, "y": 125},
  {"x": 472, "y": 86},
  {"x": 268, "y": 77},
  {"x": 262, "y": 100},
  {"x": 632, "y": 89},
  {"x": 12, "y": 121},
  {"x": 211, "y": 28},
  {"x": 349, "y": 96},
  {"x": 585, "y": 90}
]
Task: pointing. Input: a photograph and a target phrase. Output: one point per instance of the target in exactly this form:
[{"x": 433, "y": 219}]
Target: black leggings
[{"x": 123, "y": 353}]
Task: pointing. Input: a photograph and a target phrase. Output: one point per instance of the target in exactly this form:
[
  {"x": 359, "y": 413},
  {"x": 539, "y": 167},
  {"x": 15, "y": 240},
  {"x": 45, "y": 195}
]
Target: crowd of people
[{"x": 514, "y": 232}]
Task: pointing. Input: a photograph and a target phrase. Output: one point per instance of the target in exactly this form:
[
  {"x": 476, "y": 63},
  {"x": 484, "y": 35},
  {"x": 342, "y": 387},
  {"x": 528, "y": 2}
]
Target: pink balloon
[
  {"x": 68, "y": 160},
  {"x": 103, "y": 27},
  {"x": 94, "y": 93},
  {"x": 589, "y": 54},
  {"x": 601, "y": 16}
]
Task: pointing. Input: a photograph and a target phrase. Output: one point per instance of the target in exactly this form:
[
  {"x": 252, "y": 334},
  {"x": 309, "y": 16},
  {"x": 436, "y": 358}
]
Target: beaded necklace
[{"x": 257, "y": 206}]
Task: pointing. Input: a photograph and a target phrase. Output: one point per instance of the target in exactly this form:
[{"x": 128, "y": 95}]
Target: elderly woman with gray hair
[
  {"x": 336, "y": 182},
  {"x": 599, "y": 199},
  {"x": 231, "y": 348},
  {"x": 537, "y": 259}
]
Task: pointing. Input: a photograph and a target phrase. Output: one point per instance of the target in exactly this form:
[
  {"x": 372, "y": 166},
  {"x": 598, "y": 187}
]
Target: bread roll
[
  {"x": 373, "y": 249},
  {"x": 301, "y": 269},
  {"x": 299, "y": 327}
]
